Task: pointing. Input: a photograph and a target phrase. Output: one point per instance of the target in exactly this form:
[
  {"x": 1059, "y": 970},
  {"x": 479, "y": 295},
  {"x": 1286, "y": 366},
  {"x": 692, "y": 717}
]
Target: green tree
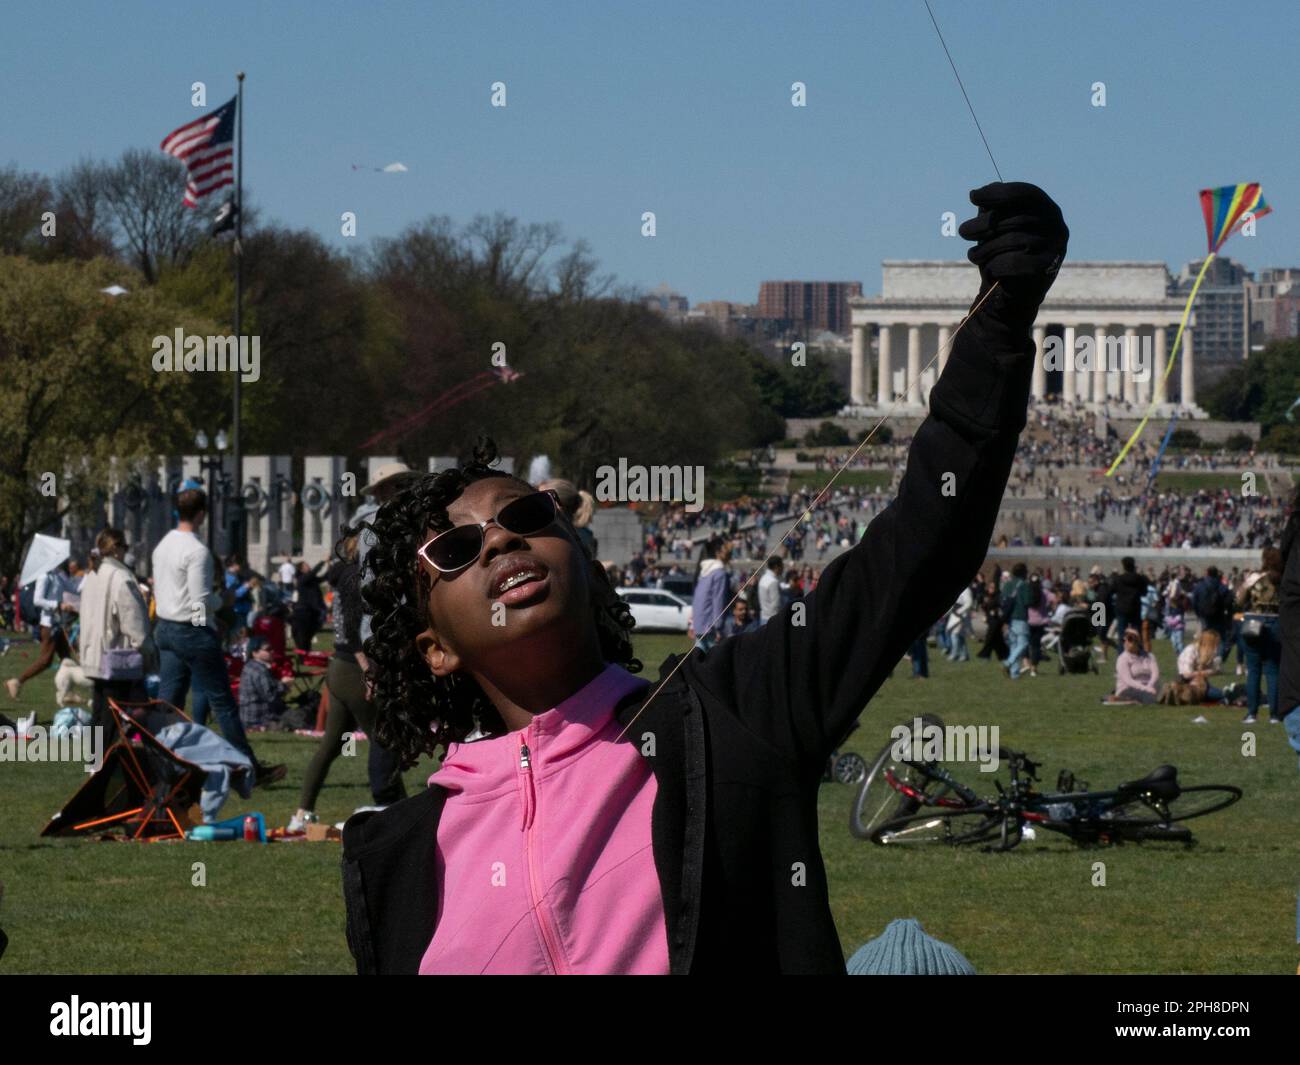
[
  {"x": 603, "y": 378},
  {"x": 81, "y": 396},
  {"x": 1261, "y": 389},
  {"x": 827, "y": 434}
]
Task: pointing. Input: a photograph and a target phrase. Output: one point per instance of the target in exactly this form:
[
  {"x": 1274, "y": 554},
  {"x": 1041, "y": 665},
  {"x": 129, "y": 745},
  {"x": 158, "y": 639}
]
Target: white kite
[{"x": 44, "y": 554}]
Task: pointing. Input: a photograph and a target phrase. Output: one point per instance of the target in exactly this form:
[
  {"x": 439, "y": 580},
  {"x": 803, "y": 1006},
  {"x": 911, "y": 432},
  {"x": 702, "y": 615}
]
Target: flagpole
[{"x": 237, "y": 518}]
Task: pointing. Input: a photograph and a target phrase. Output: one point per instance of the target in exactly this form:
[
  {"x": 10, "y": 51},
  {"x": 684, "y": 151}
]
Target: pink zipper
[{"x": 528, "y": 789}]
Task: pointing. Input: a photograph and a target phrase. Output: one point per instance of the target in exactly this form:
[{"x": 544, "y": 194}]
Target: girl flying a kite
[{"x": 604, "y": 823}]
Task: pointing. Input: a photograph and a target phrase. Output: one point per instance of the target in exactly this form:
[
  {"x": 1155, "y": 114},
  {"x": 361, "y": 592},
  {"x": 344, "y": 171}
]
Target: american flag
[{"x": 207, "y": 148}]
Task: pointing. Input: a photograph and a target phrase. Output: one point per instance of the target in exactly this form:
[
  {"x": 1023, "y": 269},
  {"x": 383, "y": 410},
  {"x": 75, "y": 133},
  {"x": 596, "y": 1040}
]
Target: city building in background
[
  {"x": 667, "y": 302},
  {"x": 1273, "y": 306},
  {"x": 1222, "y": 336},
  {"x": 809, "y": 306}
]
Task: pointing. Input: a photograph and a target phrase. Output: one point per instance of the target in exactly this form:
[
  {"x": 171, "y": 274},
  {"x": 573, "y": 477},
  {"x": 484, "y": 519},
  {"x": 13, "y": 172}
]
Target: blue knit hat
[{"x": 904, "y": 949}]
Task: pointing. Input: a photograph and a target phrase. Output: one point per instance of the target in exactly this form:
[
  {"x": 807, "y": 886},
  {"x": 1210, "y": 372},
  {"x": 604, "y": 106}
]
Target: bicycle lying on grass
[{"x": 907, "y": 801}]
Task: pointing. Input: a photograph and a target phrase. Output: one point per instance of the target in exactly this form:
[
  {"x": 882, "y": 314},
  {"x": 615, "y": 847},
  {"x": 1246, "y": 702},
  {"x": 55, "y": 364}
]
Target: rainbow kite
[{"x": 1226, "y": 209}]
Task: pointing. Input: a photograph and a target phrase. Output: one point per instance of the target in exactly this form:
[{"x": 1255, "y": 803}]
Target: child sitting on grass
[{"x": 261, "y": 692}]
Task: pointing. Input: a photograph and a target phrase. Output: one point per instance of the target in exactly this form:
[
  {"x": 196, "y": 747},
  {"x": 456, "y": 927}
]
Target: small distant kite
[
  {"x": 391, "y": 168},
  {"x": 454, "y": 396},
  {"x": 1226, "y": 209}
]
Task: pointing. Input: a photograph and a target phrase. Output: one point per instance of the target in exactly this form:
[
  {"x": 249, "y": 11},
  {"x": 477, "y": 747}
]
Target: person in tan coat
[{"x": 113, "y": 617}]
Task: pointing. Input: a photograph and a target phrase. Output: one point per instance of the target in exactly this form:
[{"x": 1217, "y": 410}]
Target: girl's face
[{"x": 520, "y": 588}]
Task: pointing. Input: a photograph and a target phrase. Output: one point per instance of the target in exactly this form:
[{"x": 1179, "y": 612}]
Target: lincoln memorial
[{"x": 1102, "y": 337}]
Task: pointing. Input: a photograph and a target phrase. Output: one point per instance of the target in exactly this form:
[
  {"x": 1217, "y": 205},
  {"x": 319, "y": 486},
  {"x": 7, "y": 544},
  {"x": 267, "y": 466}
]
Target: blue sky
[{"x": 615, "y": 108}]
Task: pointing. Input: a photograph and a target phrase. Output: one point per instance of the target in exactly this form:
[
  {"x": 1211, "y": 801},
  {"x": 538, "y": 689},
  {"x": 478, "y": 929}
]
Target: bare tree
[
  {"x": 85, "y": 227},
  {"x": 509, "y": 255},
  {"x": 144, "y": 191},
  {"x": 23, "y": 198},
  {"x": 575, "y": 279}
]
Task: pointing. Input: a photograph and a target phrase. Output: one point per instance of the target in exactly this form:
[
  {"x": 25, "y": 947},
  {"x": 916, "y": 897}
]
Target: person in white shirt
[
  {"x": 186, "y": 634},
  {"x": 958, "y": 625},
  {"x": 772, "y": 591},
  {"x": 1199, "y": 661},
  {"x": 287, "y": 570},
  {"x": 55, "y": 614}
]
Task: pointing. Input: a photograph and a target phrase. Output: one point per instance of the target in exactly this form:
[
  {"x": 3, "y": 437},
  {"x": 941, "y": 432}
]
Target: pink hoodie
[
  {"x": 544, "y": 859},
  {"x": 1136, "y": 677}
]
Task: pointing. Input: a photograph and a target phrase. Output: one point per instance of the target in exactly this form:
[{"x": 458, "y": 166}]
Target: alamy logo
[
  {"x": 651, "y": 484},
  {"x": 1104, "y": 354},
  {"x": 102, "y": 1018},
  {"x": 211, "y": 354},
  {"x": 929, "y": 742},
  {"x": 36, "y": 744}
]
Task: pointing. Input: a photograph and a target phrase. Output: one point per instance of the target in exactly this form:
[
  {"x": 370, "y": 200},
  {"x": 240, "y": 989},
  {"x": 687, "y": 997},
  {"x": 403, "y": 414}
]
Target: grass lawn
[
  {"x": 811, "y": 479},
  {"x": 1192, "y": 481},
  {"x": 1226, "y": 905}
]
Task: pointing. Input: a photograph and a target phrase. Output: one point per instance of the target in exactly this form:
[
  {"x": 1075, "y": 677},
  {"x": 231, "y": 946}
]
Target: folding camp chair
[{"x": 142, "y": 790}]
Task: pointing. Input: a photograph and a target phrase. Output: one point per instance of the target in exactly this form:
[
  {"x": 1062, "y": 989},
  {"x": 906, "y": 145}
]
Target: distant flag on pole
[{"x": 207, "y": 148}]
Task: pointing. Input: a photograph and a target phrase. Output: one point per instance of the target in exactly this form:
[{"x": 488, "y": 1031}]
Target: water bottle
[{"x": 210, "y": 832}]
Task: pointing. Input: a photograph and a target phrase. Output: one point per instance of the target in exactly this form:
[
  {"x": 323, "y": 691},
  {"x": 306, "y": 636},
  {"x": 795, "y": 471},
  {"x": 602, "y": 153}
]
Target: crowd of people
[
  {"x": 1207, "y": 617},
  {"x": 1126, "y": 610},
  {"x": 183, "y": 633},
  {"x": 215, "y": 636}
]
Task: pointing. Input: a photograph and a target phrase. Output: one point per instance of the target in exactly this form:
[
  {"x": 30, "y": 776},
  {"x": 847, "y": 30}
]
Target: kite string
[
  {"x": 1169, "y": 366},
  {"x": 963, "y": 91},
  {"x": 808, "y": 511}
]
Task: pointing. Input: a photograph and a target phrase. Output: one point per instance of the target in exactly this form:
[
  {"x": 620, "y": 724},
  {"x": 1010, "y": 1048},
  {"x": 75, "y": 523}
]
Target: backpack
[
  {"x": 1208, "y": 599},
  {"x": 27, "y": 609},
  {"x": 1151, "y": 610}
]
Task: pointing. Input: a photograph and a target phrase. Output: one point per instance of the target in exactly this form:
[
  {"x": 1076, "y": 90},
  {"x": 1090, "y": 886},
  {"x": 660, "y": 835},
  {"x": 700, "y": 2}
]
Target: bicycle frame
[{"x": 1022, "y": 803}]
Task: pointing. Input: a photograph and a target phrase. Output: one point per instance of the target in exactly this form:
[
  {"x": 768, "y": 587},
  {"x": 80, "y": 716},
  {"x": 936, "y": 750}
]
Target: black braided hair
[{"x": 417, "y": 712}]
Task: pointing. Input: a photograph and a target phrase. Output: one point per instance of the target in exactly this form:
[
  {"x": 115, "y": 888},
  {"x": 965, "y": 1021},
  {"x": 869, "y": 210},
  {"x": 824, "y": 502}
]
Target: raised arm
[{"x": 802, "y": 680}]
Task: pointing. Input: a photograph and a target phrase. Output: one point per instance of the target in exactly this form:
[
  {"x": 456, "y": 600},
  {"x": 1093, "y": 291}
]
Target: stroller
[{"x": 1073, "y": 642}]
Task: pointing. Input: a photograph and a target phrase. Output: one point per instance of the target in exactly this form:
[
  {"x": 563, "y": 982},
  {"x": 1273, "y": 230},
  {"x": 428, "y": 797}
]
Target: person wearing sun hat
[{"x": 904, "y": 949}]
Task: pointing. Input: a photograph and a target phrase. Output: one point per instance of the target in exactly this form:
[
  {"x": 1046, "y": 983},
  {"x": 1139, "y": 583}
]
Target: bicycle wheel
[
  {"x": 975, "y": 824},
  {"x": 879, "y": 800},
  {"x": 1196, "y": 801}
]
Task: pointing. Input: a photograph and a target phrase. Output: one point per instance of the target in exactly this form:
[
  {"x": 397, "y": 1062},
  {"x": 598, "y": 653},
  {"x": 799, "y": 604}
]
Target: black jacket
[
  {"x": 1129, "y": 589},
  {"x": 741, "y": 734},
  {"x": 1289, "y": 623}
]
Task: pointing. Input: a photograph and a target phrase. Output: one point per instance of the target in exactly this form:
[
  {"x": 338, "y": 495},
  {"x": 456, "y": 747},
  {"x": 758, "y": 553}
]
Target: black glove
[{"x": 1020, "y": 242}]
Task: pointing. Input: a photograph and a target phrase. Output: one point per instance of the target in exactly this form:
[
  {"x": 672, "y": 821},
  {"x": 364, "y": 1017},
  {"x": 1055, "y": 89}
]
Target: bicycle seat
[{"x": 1162, "y": 782}]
